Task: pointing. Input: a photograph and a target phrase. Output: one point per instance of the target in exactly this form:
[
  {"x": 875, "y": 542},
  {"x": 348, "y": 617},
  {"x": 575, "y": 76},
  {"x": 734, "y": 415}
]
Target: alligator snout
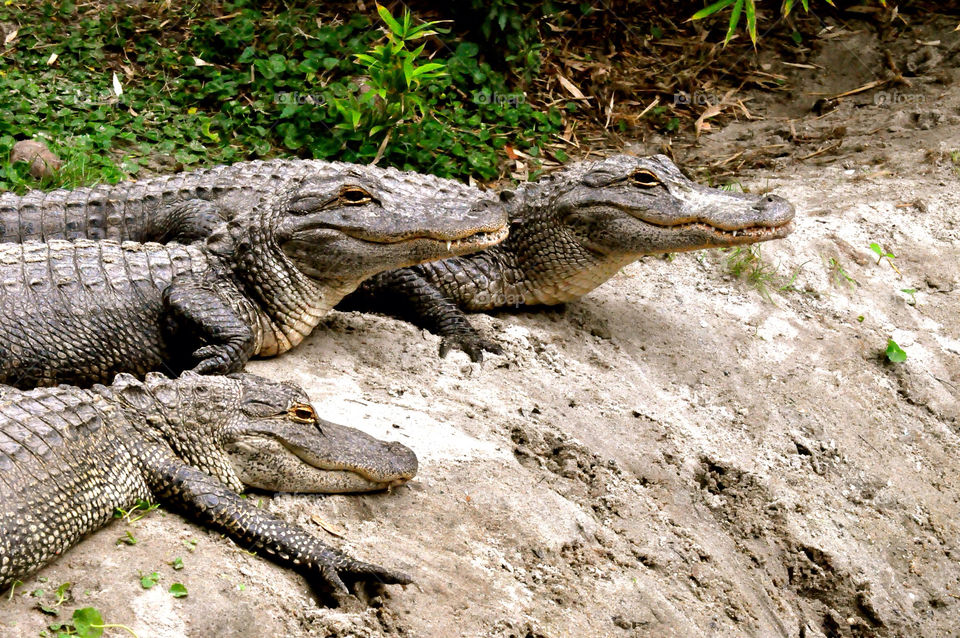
[{"x": 774, "y": 210}]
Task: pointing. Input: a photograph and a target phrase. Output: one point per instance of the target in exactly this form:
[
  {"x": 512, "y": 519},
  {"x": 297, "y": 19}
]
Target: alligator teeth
[
  {"x": 734, "y": 233},
  {"x": 448, "y": 245}
]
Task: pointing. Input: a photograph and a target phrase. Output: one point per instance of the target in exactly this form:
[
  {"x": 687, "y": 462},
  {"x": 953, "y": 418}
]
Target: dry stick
[
  {"x": 822, "y": 150},
  {"x": 865, "y": 87}
]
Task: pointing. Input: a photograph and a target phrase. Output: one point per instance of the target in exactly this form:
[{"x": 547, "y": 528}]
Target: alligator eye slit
[
  {"x": 645, "y": 179},
  {"x": 354, "y": 196},
  {"x": 302, "y": 413}
]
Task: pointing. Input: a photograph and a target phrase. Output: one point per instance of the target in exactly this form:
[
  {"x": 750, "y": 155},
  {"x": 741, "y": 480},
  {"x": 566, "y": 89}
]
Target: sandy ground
[{"x": 674, "y": 455}]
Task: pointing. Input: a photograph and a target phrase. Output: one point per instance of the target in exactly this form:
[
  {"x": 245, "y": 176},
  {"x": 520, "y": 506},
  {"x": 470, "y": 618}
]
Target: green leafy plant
[
  {"x": 62, "y": 593},
  {"x": 135, "y": 513},
  {"x": 894, "y": 353},
  {"x": 394, "y": 79},
  {"x": 748, "y": 9},
  {"x": 177, "y": 563},
  {"x": 178, "y": 590},
  {"x": 86, "y": 622},
  {"x": 198, "y": 85},
  {"x": 149, "y": 580},
  {"x": 127, "y": 539},
  {"x": 881, "y": 252},
  {"x": 912, "y": 292}
]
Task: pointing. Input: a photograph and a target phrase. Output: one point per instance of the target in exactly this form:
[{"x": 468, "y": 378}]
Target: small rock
[{"x": 43, "y": 163}]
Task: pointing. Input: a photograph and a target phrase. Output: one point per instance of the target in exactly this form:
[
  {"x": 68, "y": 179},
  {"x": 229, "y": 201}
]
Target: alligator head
[
  {"x": 248, "y": 430},
  {"x": 305, "y": 244},
  {"x": 355, "y": 223},
  {"x": 600, "y": 216},
  {"x": 286, "y": 447},
  {"x": 640, "y": 205}
]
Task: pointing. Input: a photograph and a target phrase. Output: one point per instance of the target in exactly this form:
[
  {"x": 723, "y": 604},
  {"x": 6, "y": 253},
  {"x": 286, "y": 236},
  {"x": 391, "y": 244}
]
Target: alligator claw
[
  {"x": 472, "y": 344},
  {"x": 214, "y": 359},
  {"x": 334, "y": 571}
]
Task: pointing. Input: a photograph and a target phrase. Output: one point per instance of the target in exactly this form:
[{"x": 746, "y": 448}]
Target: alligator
[
  {"x": 82, "y": 311},
  {"x": 570, "y": 232},
  {"x": 69, "y": 458},
  {"x": 186, "y": 207}
]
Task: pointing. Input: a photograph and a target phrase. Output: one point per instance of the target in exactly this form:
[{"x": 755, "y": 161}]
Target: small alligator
[
  {"x": 70, "y": 457},
  {"x": 80, "y": 312},
  {"x": 569, "y": 233}
]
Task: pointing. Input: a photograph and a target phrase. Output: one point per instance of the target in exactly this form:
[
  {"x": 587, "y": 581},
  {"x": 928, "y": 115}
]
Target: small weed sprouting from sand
[
  {"x": 839, "y": 275},
  {"x": 747, "y": 262}
]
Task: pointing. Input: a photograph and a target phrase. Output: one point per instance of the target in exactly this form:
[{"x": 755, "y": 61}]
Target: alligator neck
[
  {"x": 289, "y": 304},
  {"x": 541, "y": 261}
]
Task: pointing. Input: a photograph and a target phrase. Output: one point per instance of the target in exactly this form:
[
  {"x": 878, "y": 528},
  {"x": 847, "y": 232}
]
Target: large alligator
[
  {"x": 188, "y": 206},
  {"x": 80, "y": 312},
  {"x": 569, "y": 233},
  {"x": 70, "y": 457}
]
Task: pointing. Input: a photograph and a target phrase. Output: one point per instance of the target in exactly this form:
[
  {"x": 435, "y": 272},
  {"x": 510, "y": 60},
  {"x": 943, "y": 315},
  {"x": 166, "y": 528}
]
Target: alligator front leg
[
  {"x": 198, "y": 315},
  {"x": 206, "y": 500},
  {"x": 408, "y": 295}
]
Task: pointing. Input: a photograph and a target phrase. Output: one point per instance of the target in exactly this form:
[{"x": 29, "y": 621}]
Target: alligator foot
[
  {"x": 334, "y": 567},
  {"x": 473, "y": 344}
]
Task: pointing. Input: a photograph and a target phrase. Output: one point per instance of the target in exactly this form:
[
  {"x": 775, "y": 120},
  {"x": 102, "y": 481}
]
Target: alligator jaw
[
  {"x": 714, "y": 237},
  {"x": 450, "y": 246}
]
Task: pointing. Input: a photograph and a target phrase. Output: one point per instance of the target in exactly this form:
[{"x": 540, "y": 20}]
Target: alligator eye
[
  {"x": 644, "y": 179},
  {"x": 354, "y": 196},
  {"x": 302, "y": 413}
]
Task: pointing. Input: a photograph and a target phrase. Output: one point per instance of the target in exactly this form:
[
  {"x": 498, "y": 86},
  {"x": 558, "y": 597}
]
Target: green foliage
[
  {"x": 178, "y": 590},
  {"x": 894, "y": 353},
  {"x": 748, "y": 262},
  {"x": 127, "y": 539},
  {"x": 205, "y": 83},
  {"x": 881, "y": 252},
  {"x": 62, "y": 595},
  {"x": 138, "y": 511},
  {"x": 85, "y": 623},
  {"x": 149, "y": 580},
  {"x": 748, "y": 8}
]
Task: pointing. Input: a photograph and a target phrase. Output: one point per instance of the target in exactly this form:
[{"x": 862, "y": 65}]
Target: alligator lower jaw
[{"x": 723, "y": 237}]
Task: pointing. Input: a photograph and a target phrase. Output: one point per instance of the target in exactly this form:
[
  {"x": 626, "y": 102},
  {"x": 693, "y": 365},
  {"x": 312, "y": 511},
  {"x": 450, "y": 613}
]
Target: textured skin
[
  {"x": 187, "y": 206},
  {"x": 70, "y": 457},
  {"x": 79, "y": 312},
  {"x": 569, "y": 233}
]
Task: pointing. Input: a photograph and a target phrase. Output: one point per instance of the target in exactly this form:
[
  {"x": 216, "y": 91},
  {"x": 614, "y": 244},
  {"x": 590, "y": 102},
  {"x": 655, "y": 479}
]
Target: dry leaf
[
  {"x": 53, "y": 58},
  {"x": 200, "y": 62},
  {"x": 10, "y": 37},
  {"x": 329, "y": 528},
  {"x": 711, "y": 111},
  {"x": 117, "y": 87},
  {"x": 571, "y": 88}
]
